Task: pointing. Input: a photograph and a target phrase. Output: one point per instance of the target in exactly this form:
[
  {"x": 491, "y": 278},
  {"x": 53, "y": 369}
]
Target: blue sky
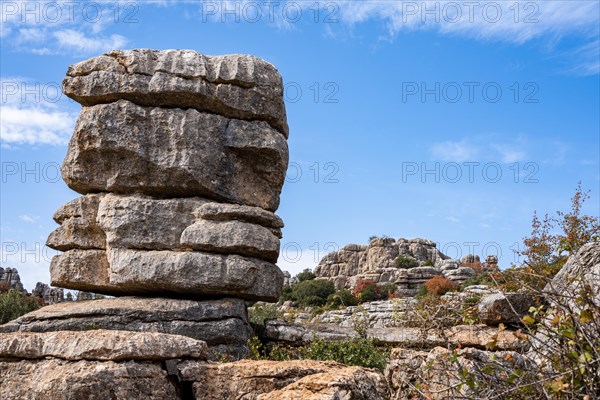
[{"x": 451, "y": 121}]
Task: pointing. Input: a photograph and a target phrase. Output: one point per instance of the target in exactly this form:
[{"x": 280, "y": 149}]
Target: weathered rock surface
[
  {"x": 122, "y": 147},
  {"x": 10, "y": 279},
  {"x": 145, "y": 223},
  {"x": 262, "y": 380},
  {"x": 377, "y": 262},
  {"x": 236, "y": 86},
  {"x": 505, "y": 308},
  {"x": 222, "y": 324},
  {"x": 48, "y": 295},
  {"x": 232, "y": 237},
  {"x": 100, "y": 345},
  {"x": 164, "y": 272},
  {"x": 78, "y": 228},
  {"x": 438, "y": 374},
  {"x": 56, "y": 379},
  {"x": 580, "y": 270}
]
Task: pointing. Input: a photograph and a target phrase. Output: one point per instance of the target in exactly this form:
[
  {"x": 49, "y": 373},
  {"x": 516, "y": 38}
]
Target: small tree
[
  {"x": 366, "y": 291},
  {"x": 306, "y": 275},
  {"x": 13, "y": 304},
  {"x": 406, "y": 262},
  {"x": 439, "y": 285}
]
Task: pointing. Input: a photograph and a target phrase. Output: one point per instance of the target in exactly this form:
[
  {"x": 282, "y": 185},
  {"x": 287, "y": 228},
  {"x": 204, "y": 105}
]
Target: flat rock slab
[
  {"x": 100, "y": 345},
  {"x": 236, "y": 86},
  {"x": 222, "y": 324},
  {"x": 157, "y": 273},
  {"x": 123, "y": 147},
  {"x": 101, "y": 221},
  {"x": 91, "y": 380},
  {"x": 298, "y": 379}
]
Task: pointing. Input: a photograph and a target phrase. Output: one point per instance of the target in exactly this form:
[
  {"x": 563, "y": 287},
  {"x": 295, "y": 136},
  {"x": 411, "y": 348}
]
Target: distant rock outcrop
[
  {"x": 378, "y": 262},
  {"x": 10, "y": 279},
  {"x": 48, "y": 295}
]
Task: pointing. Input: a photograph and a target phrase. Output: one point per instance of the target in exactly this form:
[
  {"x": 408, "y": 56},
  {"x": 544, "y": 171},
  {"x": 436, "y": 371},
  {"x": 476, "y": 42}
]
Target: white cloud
[
  {"x": 65, "y": 27},
  {"x": 35, "y": 125},
  {"x": 509, "y": 153},
  {"x": 33, "y": 113},
  {"x": 454, "y": 151},
  {"x": 76, "y": 41},
  {"x": 452, "y": 219},
  {"x": 507, "y": 21},
  {"x": 481, "y": 148},
  {"x": 29, "y": 218}
]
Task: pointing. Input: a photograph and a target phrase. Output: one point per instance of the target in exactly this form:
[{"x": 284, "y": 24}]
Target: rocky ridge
[{"x": 377, "y": 262}]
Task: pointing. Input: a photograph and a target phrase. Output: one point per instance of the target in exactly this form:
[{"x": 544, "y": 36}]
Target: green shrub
[
  {"x": 13, "y": 304},
  {"x": 428, "y": 263},
  {"x": 313, "y": 301},
  {"x": 387, "y": 290},
  {"x": 479, "y": 279},
  {"x": 406, "y": 262},
  {"x": 306, "y": 275},
  {"x": 422, "y": 292},
  {"x": 366, "y": 291},
  {"x": 361, "y": 352},
  {"x": 341, "y": 298},
  {"x": 312, "y": 292},
  {"x": 260, "y": 313},
  {"x": 286, "y": 294}
]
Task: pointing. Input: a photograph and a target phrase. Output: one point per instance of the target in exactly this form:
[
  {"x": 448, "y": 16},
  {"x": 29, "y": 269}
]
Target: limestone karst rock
[
  {"x": 180, "y": 159},
  {"x": 377, "y": 262},
  {"x": 10, "y": 279}
]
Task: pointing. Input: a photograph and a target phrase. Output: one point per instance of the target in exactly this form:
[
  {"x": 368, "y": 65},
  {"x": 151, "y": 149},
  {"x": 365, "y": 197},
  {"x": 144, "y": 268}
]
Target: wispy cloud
[
  {"x": 29, "y": 218},
  {"x": 481, "y": 148},
  {"x": 454, "y": 151},
  {"x": 72, "y": 40},
  {"x": 31, "y": 116},
  {"x": 63, "y": 27}
]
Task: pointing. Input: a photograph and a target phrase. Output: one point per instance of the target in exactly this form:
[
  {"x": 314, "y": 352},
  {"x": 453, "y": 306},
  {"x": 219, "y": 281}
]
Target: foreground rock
[
  {"x": 122, "y": 147},
  {"x": 159, "y": 273},
  {"x": 222, "y": 324},
  {"x": 236, "y": 86},
  {"x": 100, "y": 345},
  {"x": 56, "y": 379},
  {"x": 505, "y": 308},
  {"x": 249, "y": 380},
  {"x": 273, "y": 380}
]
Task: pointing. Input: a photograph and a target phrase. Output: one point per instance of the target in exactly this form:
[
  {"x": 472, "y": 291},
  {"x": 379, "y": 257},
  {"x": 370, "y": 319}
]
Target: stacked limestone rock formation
[
  {"x": 377, "y": 262},
  {"x": 180, "y": 159},
  {"x": 10, "y": 279}
]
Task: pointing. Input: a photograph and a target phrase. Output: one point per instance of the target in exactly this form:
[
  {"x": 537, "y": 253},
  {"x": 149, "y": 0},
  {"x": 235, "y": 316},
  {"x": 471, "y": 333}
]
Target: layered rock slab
[
  {"x": 237, "y": 86},
  {"x": 126, "y": 148},
  {"x": 222, "y": 324},
  {"x": 164, "y": 272},
  {"x": 100, "y": 345},
  {"x": 56, "y": 379},
  {"x": 300, "y": 379}
]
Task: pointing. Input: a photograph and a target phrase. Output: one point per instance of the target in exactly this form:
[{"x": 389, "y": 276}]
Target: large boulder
[
  {"x": 165, "y": 272},
  {"x": 100, "y": 345},
  {"x": 56, "y": 379},
  {"x": 222, "y": 324},
  {"x": 236, "y": 86},
  {"x": 581, "y": 270},
  {"x": 123, "y": 147},
  {"x": 505, "y": 308},
  {"x": 292, "y": 380}
]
